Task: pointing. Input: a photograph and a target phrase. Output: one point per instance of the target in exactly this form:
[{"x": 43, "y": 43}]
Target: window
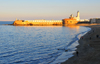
[
  {"x": 22, "y": 20},
  {"x": 67, "y": 21}
]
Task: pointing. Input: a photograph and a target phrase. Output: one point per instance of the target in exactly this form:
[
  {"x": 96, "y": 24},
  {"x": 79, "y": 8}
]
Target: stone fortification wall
[
  {"x": 38, "y": 22},
  {"x": 68, "y": 21}
]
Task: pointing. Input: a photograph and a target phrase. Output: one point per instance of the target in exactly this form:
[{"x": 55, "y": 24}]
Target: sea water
[{"x": 38, "y": 44}]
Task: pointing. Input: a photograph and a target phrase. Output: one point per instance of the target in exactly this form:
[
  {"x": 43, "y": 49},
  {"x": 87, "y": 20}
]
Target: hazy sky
[{"x": 48, "y": 9}]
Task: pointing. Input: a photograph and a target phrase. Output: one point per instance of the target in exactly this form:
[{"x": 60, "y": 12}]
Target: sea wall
[{"x": 37, "y": 22}]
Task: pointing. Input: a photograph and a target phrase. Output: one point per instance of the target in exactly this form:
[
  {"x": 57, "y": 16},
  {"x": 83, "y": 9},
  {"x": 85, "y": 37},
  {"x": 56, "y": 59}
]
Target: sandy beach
[{"x": 88, "y": 49}]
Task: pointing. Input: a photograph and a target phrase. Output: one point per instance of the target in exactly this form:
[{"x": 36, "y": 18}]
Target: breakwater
[{"x": 38, "y": 22}]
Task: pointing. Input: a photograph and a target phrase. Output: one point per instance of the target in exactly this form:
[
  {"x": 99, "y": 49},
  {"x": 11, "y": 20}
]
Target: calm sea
[{"x": 38, "y": 44}]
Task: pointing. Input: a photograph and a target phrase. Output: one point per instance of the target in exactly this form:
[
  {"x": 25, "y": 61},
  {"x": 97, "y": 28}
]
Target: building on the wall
[
  {"x": 95, "y": 20},
  {"x": 77, "y": 17}
]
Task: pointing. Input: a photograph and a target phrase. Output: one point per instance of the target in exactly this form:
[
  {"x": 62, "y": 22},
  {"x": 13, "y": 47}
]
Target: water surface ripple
[{"x": 37, "y": 45}]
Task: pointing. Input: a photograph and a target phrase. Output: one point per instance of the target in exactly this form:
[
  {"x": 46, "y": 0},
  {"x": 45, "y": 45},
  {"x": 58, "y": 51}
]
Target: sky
[{"x": 48, "y": 9}]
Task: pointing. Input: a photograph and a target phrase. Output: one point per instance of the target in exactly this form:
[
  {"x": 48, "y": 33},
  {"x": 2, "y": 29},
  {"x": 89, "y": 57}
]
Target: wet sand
[{"x": 88, "y": 49}]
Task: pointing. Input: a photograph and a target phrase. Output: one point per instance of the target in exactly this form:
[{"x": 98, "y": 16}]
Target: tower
[
  {"x": 78, "y": 14},
  {"x": 71, "y": 16}
]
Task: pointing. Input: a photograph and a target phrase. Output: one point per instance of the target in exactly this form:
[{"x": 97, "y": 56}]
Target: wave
[{"x": 69, "y": 49}]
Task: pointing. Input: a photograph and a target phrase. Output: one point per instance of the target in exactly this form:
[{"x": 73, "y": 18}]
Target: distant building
[
  {"x": 84, "y": 20},
  {"x": 95, "y": 20}
]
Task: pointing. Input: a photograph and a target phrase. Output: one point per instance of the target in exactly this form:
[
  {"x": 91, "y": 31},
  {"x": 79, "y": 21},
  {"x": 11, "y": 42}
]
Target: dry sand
[{"x": 89, "y": 48}]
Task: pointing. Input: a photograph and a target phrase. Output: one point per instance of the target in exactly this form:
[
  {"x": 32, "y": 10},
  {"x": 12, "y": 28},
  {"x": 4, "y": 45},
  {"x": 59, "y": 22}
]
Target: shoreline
[{"x": 88, "y": 48}]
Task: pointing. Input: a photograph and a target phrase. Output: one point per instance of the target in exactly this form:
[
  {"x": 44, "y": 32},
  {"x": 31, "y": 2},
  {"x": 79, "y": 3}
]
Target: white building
[{"x": 77, "y": 17}]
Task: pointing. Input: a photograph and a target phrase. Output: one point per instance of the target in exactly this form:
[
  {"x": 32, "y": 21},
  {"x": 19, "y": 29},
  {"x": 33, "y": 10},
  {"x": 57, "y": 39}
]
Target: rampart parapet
[{"x": 37, "y": 22}]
